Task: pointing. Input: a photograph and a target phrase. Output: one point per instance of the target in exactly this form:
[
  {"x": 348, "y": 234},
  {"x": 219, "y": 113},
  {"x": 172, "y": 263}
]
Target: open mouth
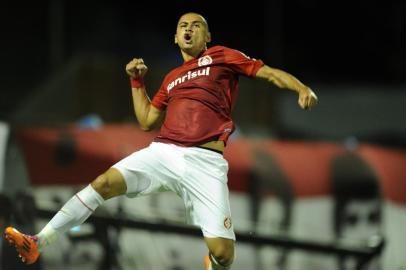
[{"x": 187, "y": 37}]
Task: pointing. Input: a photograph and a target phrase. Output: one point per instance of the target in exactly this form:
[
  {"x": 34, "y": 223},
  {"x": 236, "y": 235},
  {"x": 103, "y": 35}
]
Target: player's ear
[
  {"x": 208, "y": 37},
  {"x": 176, "y": 39}
]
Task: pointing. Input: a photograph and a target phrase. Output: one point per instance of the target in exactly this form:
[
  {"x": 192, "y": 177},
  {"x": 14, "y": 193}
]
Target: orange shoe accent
[
  {"x": 26, "y": 245},
  {"x": 207, "y": 262}
]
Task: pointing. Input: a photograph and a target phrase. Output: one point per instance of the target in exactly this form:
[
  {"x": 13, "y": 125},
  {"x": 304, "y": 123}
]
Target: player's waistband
[{"x": 216, "y": 146}]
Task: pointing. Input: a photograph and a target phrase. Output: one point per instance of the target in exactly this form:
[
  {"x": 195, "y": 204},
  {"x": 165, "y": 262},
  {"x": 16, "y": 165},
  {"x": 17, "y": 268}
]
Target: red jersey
[{"x": 199, "y": 96}]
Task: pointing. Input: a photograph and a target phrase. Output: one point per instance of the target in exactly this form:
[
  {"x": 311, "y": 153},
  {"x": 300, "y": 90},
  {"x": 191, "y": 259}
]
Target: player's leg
[
  {"x": 206, "y": 198},
  {"x": 73, "y": 213},
  {"x": 221, "y": 253},
  {"x": 135, "y": 175},
  {"x": 138, "y": 174}
]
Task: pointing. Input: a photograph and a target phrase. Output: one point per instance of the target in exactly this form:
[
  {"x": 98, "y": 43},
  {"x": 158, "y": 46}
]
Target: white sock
[{"x": 72, "y": 214}]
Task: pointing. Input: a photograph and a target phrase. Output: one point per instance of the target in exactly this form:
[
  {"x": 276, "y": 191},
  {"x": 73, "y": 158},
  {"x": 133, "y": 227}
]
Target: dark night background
[{"x": 320, "y": 42}]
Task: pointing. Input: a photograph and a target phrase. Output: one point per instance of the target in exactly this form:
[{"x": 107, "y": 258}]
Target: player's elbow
[
  {"x": 149, "y": 125},
  {"x": 146, "y": 127}
]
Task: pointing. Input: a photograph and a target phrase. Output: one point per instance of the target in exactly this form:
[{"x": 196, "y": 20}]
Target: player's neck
[{"x": 187, "y": 56}]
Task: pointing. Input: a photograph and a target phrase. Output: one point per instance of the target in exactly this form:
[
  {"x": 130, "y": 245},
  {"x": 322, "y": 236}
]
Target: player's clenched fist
[
  {"x": 136, "y": 68},
  {"x": 307, "y": 99}
]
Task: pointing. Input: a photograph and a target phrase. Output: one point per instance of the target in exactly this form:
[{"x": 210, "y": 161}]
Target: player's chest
[{"x": 199, "y": 76}]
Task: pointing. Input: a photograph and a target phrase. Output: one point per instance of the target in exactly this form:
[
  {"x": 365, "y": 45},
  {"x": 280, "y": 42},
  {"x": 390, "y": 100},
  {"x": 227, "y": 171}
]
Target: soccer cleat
[
  {"x": 207, "y": 262},
  {"x": 26, "y": 245}
]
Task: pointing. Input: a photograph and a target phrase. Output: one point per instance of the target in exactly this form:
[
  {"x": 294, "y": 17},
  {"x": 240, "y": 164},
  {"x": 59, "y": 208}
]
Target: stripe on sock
[{"x": 84, "y": 203}]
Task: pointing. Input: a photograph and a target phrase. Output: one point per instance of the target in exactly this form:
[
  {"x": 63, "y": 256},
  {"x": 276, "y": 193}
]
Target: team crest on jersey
[
  {"x": 227, "y": 223},
  {"x": 204, "y": 61}
]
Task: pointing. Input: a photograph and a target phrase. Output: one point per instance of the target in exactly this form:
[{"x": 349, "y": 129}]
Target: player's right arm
[
  {"x": 147, "y": 115},
  {"x": 282, "y": 79}
]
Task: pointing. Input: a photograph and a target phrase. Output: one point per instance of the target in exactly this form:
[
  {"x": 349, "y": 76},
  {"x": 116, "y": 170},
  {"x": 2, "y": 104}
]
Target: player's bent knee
[
  {"x": 223, "y": 252},
  {"x": 110, "y": 184}
]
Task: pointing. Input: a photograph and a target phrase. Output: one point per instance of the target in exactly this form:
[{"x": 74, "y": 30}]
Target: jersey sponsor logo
[
  {"x": 227, "y": 223},
  {"x": 188, "y": 76},
  {"x": 204, "y": 60}
]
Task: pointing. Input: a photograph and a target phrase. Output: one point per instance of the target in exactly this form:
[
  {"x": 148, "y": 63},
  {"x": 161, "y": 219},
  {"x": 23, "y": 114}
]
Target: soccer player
[{"x": 194, "y": 105}]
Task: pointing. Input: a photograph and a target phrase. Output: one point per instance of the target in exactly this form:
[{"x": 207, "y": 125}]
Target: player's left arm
[{"x": 307, "y": 98}]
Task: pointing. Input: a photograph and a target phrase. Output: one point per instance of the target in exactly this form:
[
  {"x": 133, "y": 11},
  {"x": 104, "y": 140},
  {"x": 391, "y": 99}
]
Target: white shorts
[{"x": 197, "y": 175}]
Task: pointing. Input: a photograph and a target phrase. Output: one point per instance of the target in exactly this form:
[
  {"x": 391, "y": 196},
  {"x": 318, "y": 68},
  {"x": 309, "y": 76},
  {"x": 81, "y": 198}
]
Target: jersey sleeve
[
  {"x": 160, "y": 100},
  {"x": 242, "y": 64}
]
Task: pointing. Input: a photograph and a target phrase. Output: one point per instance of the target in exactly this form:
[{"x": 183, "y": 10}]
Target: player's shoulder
[
  {"x": 219, "y": 48},
  {"x": 228, "y": 52}
]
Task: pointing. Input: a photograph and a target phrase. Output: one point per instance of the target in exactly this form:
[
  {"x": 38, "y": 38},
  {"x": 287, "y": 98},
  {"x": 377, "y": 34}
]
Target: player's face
[{"x": 192, "y": 34}]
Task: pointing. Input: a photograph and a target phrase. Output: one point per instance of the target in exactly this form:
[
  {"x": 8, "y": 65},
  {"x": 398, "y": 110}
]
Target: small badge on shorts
[{"x": 227, "y": 223}]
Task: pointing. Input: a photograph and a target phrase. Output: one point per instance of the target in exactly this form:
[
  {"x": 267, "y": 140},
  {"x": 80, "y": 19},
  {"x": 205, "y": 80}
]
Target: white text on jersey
[{"x": 188, "y": 76}]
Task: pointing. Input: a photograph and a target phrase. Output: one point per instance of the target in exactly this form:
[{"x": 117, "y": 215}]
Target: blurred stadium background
[{"x": 323, "y": 189}]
